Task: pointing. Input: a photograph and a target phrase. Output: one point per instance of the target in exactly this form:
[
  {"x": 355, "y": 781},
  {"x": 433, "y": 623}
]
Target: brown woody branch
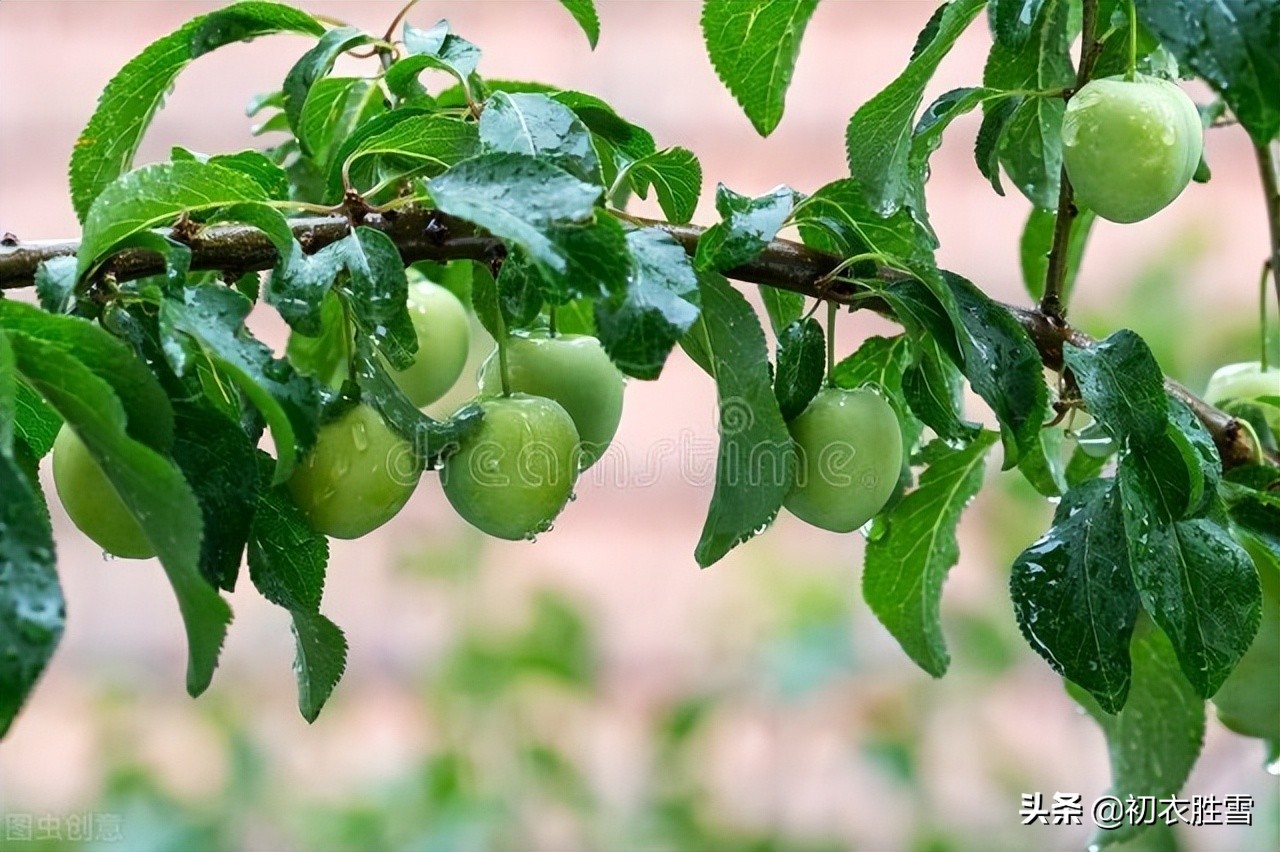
[{"x": 422, "y": 234}]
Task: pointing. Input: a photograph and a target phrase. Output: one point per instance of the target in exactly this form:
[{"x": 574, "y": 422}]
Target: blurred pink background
[{"x": 623, "y": 549}]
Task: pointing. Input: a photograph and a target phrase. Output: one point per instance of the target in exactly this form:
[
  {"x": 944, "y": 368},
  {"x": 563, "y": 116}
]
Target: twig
[
  {"x": 1267, "y": 165},
  {"x": 422, "y": 234}
]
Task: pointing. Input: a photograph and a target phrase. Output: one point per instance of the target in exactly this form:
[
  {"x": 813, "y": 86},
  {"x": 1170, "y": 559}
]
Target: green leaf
[
  {"x": 878, "y": 138},
  {"x": 1003, "y": 366},
  {"x": 783, "y": 306},
  {"x": 1074, "y": 595},
  {"x": 986, "y": 147},
  {"x": 676, "y": 177},
  {"x": 753, "y": 45},
  {"x": 1043, "y": 467},
  {"x": 1231, "y": 44},
  {"x": 149, "y": 484},
  {"x": 517, "y": 198},
  {"x": 149, "y": 415},
  {"x": 519, "y": 292},
  {"x": 435, "y": 48},
  {"x": 218, "y": 461},
  {"x": 154, "y": 196},
  {"x": 747, "y": 226},
  {"x": 334, "y": 108},
  {"x": 755, "y": 466},
  {"x": 106, "y": 146},
  {"x": 1155, "y": 740},
  {"x": 208, "y": 321},
  {"x": 1121, "y": 384},
  {"x": 414, "y": 144},
  {"x": 255, "y": 165},
  {"x": 927, "y": 137},
  {"x": 56, "y": 284},
  {"x": 1037, "y": 241},
  {"x": 377, "y": 293},
  {"x": 536, "y": 125},
  {"x": 1194, "y": 580},
  {"x": 32, "y": 611},
  {"x": 632, "y": 141},
  {"x": 639, "y": 326},
  {"x": 802, "y": 364},
  {"x": 932, "y": 387},
  {"x": 1031, "y": 145},
  {"x": 584, "y": 12},
  {"x": 913, "y": 546},
  {"x": 1011, "y": 20},
  {"x": 287, "y": 563},
  {"x": 35, "y": 424},
  {"x": 597, "y": 262},
  {"x": 879, "y": 361},
  {"x": 313, "y": 65}
]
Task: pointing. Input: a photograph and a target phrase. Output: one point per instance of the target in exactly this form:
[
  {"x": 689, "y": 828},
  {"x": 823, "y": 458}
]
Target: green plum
[
  {"x": 514, "y": 473},
  {"x": 1130, "y": 146},
  {"x": 357, "y": 477},
  {"x": 92, "y": 502},
  {"x": 1249, "y": 701},
  {"x": 850, "y": 456},
  {"x": 571, "y": 369},
  {"x": 444, "y": 340},
  {"x": 1246, "y": 382}
]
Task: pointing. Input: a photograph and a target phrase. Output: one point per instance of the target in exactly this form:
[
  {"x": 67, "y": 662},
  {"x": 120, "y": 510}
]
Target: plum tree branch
[
  {"x": 423, "y": 234},
  {"x": 1052, "y": 301}
]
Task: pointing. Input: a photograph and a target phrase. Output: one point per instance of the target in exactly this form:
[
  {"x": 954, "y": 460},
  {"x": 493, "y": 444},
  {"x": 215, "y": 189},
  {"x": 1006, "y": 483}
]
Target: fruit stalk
[
  {"x": 1267, "y": 164},
  {"x": 1051, "y": 302}
]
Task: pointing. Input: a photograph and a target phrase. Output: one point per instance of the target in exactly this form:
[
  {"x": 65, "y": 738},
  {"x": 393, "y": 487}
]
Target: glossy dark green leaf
[
  {"x": 783, "y": 306},
  {"x": 1155, "y": 740},
  {"x": 584, "y": 12},
  {"x": 747, "y": 225},
  {"x": 148, "y": 483},
  {"x": 932, "y": 387},
  {"x": 1044, "y": 466},
  {"x": 436, "y": 48},
  {"x": 755, "y": 465},
  {"x": 106, "y": 146},
  {"x": 630, "y": 140},
  {"x": 35, "y": 423},
  {"x": 208, "y": 321},
  {"x": 753, "y": 45},
  {"x": 913, "y": 546},
  {"x": 56, "y": 285},
  {"x": 1003, "y": 366},
  {"x": 334, "y": 108},
  {"x": 640, "y": 325},
  {"x": 32, "y": 610},
  {"x": 676, "y": 178},
  {"x": 252, "y": 164},
  {"x": 377, "y": 293},
  {"x": 519, "y": 291},
  {"x": 1122, "y": 385},
  {"x": 539, "y": 126},
  {"x": 878, "y": 138},
  {"x": 155, "y": 196},
  {"x": 927, "y": 138},
  {"x": 1074, "y": 595},
  {"x": 802, "y": 365},
  {"x": 320, "y": 662},
  {"x": 1232, "y": 45},
  {"x": 1030, "y": 147},
  {"x": 597, "y": 262},
  {"x": 1037, "y": 241},
  {"x": 315, "y": 64},
  {"x": 422, "y": 145},
  {"x": 1011, "y": 20},
  {"x": 986, "y": 147}
]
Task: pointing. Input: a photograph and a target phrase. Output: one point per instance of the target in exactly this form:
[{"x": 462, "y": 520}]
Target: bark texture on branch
[{"x": 422, "y": 234}]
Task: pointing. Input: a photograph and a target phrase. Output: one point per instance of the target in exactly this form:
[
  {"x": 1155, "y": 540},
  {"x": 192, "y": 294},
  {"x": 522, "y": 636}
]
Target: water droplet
[
  {"x": 532, "y": 538},
  {"x": 360, "y": 436},
  {"x": 1273, "y": 768},
  {"x": 573, "y": 496},
  {"x": 108, "y": 557}
]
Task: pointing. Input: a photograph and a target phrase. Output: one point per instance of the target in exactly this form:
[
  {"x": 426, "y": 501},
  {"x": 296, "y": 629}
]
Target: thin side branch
[
  {"x": 1268, "y": 163},
  {"x": 1051, "y": 303},
  {"x": 428, "y": 235}
]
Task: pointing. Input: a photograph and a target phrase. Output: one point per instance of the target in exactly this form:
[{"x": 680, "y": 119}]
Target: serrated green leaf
[
  {"x": 376, "y": 292},
  {"x": 34, "y": 423},
  {"x": 1155, "y": 740},
  {"x": 753, "y": 45},
  {"x": 878, "y": 138},
  {"x": 932, "y": 387},
  {"x": 208, "y": 321},
  {"x": 640, "y": 325},
  {"x": 321, "y": 660},
  {"x": 517, "y": 198},
  {"x": 913, "y": 546},
  {"x": 921, "y": 312},
  {"x": 747, "y": 226},
  {"x": 32, "y": 610},
  {"x": 539, "y": 126},
  {"x": 630, "y": 140},
  {"x": 314, "y": 65},
  {"x": 436, "y": 48},
  {"x": 783, "y": 306},
  {"x": 1037, "y": 241},
  {"x": 986, "y": 147},
  {"x": 1030, "y": 147},
  {"x": 149, "y": 415},
  {"x": 1121, "y": 384},
  {"x": 252, "y": 164},
  {"x": 597, "y": 262},
  {"x": 154, "y": 196},
  {"x": 584, "y": 12},
  {"x": 1003, "y": 366},
  {"x": 1249, "y": 700},
  {"x": 755, "y": 465},
  {"x": 106, "y": 146},
  {"x": 1011, "y": 20},
  {"x": 1044, "y": 467},
  {"x": 334, "y": 108},
  {"x": 56, "y": 284},
  {"x": 1074, "y": 595},
  {"x": 1231, "y": 44},
  {"x": 676, "y": 177},
  {"x": 802, "y": 365},
  {"x": 218, "y": 461},
  {"x": 149, "y": 484},
  {"x": 927, "y": 138},
  {"x": 519, "y": 291},
  {"x": 424, "y": 145}
]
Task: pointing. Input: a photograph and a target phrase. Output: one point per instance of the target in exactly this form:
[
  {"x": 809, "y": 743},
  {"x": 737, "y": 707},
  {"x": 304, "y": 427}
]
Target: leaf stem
[
  {"x": 1133, "y": 40},
  {"x": 1052, "y": 302},
  {"x": 551, "y": 320},
  {"x": 831, "y": 341},
  {"x": 1267, "y": 166},
  {"x": 1262, "y": 315}
]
